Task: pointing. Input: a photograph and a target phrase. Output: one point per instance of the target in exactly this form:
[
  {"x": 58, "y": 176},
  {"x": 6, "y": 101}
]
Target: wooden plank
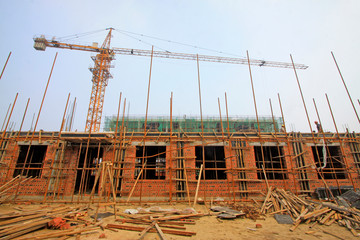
[
  {"x": 327, "y": 217},
  {"x": 180, "y": 217},
  {"x": 142, "y": 234},
  {"x": 158, "y": 229},
  {"x": 139, "y": 229},
  {"x": 58, "y": 234},
  {"x": 266, "y": 199},
  {"x": 316, "y": 213}
]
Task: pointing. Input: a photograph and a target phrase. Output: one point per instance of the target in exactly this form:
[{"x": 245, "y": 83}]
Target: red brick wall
[{"x": 161, "y": 188}]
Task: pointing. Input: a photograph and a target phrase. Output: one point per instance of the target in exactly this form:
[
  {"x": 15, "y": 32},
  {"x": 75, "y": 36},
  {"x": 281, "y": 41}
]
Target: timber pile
[
  {"x": 326, "y": 213},
  {"x": 5, "y": 192},
  {"x": 170, "y": 222},
  {"x": 21, "y": 222},
  {"x": 281, "y": 201},
  {"x": 310, "y": 212}
]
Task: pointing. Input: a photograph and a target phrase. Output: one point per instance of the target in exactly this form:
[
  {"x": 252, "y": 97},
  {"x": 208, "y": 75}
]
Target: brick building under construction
[
  {"x": 165, "y": 163},
  {"x": 172, "y": 159}
]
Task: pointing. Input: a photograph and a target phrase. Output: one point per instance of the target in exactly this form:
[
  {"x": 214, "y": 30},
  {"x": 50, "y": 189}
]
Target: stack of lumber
[
  {"x": 165, "y": 222},
  {"x": 326, "y": 213},
  {"x": 5, "y": 192},
  {"x": 281, "y": 201},
  {"x": 310, "y": 212},
  {"x": 20, "y": 222}
]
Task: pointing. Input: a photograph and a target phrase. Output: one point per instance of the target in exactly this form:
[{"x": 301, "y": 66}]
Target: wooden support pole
[{"x": 197, "y": 186}]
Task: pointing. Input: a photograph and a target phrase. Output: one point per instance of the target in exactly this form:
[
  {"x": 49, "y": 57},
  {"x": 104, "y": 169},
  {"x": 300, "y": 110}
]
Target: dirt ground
[{"x": 208, "y": 227}]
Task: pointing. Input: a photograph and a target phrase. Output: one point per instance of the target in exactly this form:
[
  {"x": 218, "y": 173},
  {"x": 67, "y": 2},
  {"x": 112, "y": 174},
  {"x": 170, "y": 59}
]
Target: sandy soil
[{"x": 209, "y": 227}]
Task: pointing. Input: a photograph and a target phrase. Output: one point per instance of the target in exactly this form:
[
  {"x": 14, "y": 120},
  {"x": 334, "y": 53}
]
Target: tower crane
[{"x": 105, "y": 55}]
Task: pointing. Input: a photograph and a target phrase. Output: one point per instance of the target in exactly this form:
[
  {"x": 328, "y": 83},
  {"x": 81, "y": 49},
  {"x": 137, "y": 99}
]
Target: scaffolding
[{"x": 193, "y": 124}]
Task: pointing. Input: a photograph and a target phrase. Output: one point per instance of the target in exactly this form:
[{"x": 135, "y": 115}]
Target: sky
[{"x": 268, "y": 29}]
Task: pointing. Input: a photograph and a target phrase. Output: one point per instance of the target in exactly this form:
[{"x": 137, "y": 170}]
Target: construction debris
[
  {"x": 22, "y": 222},
  {"x": 157, "y": 219},
  {"x": 5, "y": 193},
  {"x": 309, "y": 211},
  {"x": 226, "y": 212}
]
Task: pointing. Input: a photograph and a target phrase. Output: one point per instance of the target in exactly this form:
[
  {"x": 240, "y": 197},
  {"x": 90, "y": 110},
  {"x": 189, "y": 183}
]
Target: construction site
[{"x": 179, "y": 160}]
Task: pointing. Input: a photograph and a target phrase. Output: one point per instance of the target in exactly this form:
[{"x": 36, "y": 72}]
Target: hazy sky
[{"x": 269, "y": 30}]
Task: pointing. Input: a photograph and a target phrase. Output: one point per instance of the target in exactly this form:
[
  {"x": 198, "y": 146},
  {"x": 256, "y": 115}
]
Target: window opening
[
  {"x": 273, "y": 162},
  {"x": 34, "y": 160},
  {"x": 332, "y": 167},
  {"x": 215, "y": 165},
  {"x": 155, "y": 158}
]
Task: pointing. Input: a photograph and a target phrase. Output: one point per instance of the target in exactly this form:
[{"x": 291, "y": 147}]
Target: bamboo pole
[
  {"x": 145, "y": 124},
  {"x": 198, "y": 185},
  {"x": 5, "y": 65}
]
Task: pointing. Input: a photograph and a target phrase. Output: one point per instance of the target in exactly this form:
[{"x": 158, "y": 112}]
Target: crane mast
[
  {"x": 102, "y": 64},
  {"x": 101, "y": 75}
]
